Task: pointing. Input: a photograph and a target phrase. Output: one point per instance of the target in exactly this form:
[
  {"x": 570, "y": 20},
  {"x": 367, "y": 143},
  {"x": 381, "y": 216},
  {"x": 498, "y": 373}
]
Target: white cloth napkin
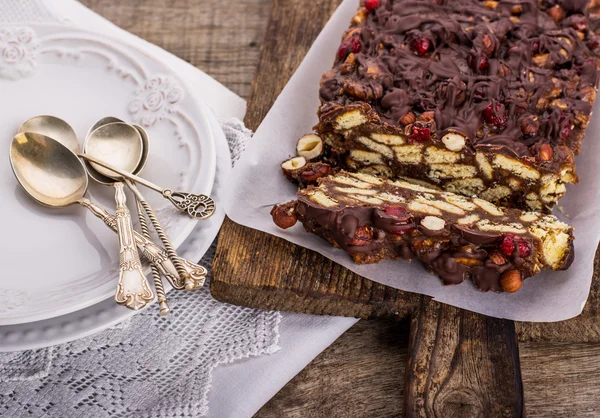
[{"x": 237, "y": 389}]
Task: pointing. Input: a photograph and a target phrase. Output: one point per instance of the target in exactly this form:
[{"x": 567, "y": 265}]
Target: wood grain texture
[
  {"x": 360, "y": 376},
  {"x": 462, "y": 365},
  {"x": 222, "y": 38}
]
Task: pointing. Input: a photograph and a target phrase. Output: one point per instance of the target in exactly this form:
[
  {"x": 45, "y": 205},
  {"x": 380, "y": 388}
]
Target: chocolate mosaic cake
[
  {"x": 448, "y": 129},
  {"x": 487, "y": 98},
  {"x": 455, "y": 237}
]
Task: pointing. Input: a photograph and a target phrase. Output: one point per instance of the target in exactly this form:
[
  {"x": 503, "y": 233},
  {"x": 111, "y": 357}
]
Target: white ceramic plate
[
  {"x": 107, "y": 313},
  {"x": 57, "y": 261}
]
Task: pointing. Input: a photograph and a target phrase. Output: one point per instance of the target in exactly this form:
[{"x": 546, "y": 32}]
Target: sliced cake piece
[
  {"x": 487, "y": 98},
  {"x": 456, "y": 237}
]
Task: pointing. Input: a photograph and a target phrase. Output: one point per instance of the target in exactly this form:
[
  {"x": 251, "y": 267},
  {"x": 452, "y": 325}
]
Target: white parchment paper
[{"x": 257, "y": 184}]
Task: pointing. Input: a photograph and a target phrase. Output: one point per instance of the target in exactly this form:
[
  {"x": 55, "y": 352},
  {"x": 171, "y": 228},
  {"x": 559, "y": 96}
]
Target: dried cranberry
[
  {"x": 371, "y": 4},
  {"x": 420, "y": 45},
  {"x": 566, "y": 127},
  {"x": 355, "y": 45},
  {"x": 349, "y": 45},
  {"x": 420, "y": 134},
  {"x": 342, "y": 51},
  {"x": 478, "y": 63},
  {"x": 495, "y": 115},
  {"x": 362, "y": 236},
  {"x": 512, "y": 241}
]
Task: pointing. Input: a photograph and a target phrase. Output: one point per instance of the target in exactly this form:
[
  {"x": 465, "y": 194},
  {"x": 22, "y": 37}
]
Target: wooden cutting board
[{"x": 460, "y": 363}]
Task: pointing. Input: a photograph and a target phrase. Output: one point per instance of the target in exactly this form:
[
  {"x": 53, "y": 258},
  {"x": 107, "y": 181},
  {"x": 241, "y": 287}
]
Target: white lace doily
[{"x": 149, "y": 366}]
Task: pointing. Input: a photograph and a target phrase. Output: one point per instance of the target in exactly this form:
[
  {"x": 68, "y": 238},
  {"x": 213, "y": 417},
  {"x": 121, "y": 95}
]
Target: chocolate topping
[{"x": 482, "y": 68}]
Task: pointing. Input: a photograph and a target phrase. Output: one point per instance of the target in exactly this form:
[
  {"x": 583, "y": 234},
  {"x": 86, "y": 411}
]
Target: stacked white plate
[{"x": 60, "y": 266}]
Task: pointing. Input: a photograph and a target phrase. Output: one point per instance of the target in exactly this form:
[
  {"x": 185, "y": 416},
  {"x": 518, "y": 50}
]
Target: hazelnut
[
  {"x": 408, "y": 118},
  {"x": 545, "y": 153},
  {"x": 511, "y": 281},
  {"x": 497, "y": 258},
  {"x": 454, "y": 141},
  {"x": 503, "y": 70},
  {"x": 314, "y": 171},
  {"x": 433, "y": 223},
  {"x": 556, "y": 13},
  {"x": 362, "y": 236},
  {"x": 310, "y": 146},
  {"x": 530, "y": 125},
  {"x": 284, "y": 216},
  {"x": 294, "y": 166},
  {"x": 426, "y": 116}
]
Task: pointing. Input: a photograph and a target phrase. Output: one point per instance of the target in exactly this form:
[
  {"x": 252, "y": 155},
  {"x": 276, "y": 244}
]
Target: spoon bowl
[
  {"x": 49, "y": 171},
  {"x": 102, "y": 122},
  {"x": 53, "y": 127},
  {"x": 117, "y": 144},
  {"x": 105, "y": 180}
]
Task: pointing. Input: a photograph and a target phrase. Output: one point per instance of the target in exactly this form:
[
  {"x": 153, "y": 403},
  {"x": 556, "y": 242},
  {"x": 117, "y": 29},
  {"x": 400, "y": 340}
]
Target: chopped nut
[
  {"x": 546, "y": 153},
  {"x": 359, "y": 17},
  {"x": 497, "y": 258},
  {"x": 408, "y": 118},
  {"x": 516, "y": 9},
  {"x": 530, "y": 125},
  {"x": 310, "y": 146},
  {"x": 454, "y": 141},
  {"x": 471, "y": 262},
  {"x": 433, "y": 223},
  {"x": 362, "y": 236},
  {"x": 293, "y": 167},
  {"x": 349, "y": 65},
  {"x": 490, "y": 4},
  {"x": 556, "y": 13},
  {"x": 588, "y": 94},
  {"x": 511, "y": 281},
  {"x": 503, "y": 70},
  {"x": 314, "y": 171},
  {"x": 284, "y": 216},
  {"x": 426, "y": 116},
  {"x": 540, "y": 60}
]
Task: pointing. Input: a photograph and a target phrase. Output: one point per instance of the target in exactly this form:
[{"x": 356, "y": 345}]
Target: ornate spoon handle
[
  {"x": 197, "y": 206},
  {"x": 133, "y": 289},
  {"x": 152, "y": 252},
  {"x": 158, "y": 283},
  {"x": 189, "y": 282}
]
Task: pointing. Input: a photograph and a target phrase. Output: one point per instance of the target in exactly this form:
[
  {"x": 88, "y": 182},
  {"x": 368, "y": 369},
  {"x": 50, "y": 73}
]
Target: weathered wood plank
[
  {"x": 461, "y": 364},
  {"x": 360, "y": 376},
  {"x": 222, "y": 38}
]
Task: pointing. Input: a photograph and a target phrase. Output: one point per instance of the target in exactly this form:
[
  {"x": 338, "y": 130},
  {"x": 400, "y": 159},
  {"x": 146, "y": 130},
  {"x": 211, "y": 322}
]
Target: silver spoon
[
  {"x": 54, "y": 176},
  {"x": 197, "y": 206},
  {"x": 97, "y": 140},
  {"x": 158, "y": 284},
  {"x": 64, "y": 133}
]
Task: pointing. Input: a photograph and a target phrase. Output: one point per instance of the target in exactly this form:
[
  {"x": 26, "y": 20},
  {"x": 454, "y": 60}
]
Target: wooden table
[{"x": 362, "y": 374}]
